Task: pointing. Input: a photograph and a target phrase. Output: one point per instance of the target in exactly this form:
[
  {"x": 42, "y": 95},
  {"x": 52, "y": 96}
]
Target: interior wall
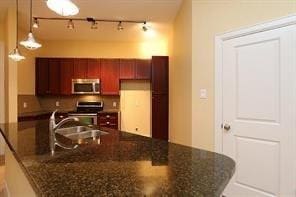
[
  {"x": 135, "y": 107},
  {"x": 210, "y": 18},
  {"x": 180, "y": 77},
  {"x": 10, "y": 67}
]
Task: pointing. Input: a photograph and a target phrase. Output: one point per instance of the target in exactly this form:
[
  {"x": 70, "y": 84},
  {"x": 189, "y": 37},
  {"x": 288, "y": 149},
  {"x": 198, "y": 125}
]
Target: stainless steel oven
[
  {"x": 86, "y": 118},
  {"x": 87, "y": 111},
  {"x": 86, "y": 86}
]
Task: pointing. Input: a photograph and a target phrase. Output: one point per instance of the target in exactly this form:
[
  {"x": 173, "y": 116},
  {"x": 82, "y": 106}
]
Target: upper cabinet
[
  {"x": 127, "y": 68},
  {"x": 110, "y": 76},
  {"x": 47, "y": 76},
  {"x": 66, "y": 75},
  {"x": 143, "y": 69},
  {"x": 93, "y": 68},
  {"x": 80, "y": 68},
  {"x": 160, "y": 75},
  {"x": 135, "y": 69},
  {"x": 54, "y": 75}
]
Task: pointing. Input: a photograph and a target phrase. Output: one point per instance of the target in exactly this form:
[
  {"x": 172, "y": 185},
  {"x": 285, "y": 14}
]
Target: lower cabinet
[{"x": 108, "y": 120}]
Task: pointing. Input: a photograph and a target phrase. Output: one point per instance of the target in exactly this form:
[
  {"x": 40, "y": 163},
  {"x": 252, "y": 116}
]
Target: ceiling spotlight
[
  {"x": 63, "y": 7},
  {"x": 119, "y": 26},
  {"x": 70, "y": 24},
  {"x": 94, "y": 25},
  {"x": 145, "y": 27},
  {"x": 36, "y": 23}
]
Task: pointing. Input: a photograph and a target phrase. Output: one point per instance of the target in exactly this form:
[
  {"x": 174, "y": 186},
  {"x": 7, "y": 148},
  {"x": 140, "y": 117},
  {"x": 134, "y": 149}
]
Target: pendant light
[
  {"x": 15, "y": 55},
  {"x": 30, "y": 43},
  {"x": 63, "y": 7}
]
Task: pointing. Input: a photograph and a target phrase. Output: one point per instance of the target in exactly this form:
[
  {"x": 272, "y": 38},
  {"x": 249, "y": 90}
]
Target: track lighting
[
  {"x": 63, "y": 7},
  {"x": 70, "y": 24},
  {"x": 94, "y": 25},
  {"x": 36, "y": 23},
  {"x": 15, "y": 55},
  {"x": 145, "y": 27},
  {"x": 119, "y": 26},
  {"x": 30, "y": 43}
]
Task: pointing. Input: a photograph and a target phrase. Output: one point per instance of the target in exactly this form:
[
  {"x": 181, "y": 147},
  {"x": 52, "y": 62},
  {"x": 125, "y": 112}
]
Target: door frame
[
  {"x": 2, "y": 85},
  {"x": 219, "y": 39}
]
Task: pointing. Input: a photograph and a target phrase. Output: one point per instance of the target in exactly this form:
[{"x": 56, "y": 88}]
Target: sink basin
[{"x": 80, "y": 132}]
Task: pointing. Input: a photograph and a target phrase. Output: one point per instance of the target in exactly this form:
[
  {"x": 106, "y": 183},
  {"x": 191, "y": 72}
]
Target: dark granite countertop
[{"x": 117, "y": 164}]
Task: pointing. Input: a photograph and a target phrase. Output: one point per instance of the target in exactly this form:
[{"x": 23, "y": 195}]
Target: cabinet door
[
  {"x": 54, "y": 76},
  {"x": 160, "y": 74},
  {"x": 160, "y": 116},
  {"x": 110, "y": 76},
  {"x": 127, "y": 68},
  {"x": 66, "y": 68},
  {"x": 143, "y": 69},
  {"x": 93, "y": 69},
  {"x": 42, "y": 77},
  {"x": 80, "y": 69}
]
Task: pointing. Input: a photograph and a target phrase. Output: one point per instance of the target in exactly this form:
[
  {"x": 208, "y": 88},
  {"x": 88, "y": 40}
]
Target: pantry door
[{"x": 258, "y": 111}]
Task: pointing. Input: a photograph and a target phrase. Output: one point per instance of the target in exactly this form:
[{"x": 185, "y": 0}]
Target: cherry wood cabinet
[
  {"x": 110, "y": 76},
  {"x": 160, "y": 97},
  {"x": 80, "y": 68},
  {"x": 143, "y": 69},
  {"x": 47, "y": 76},
  {"x": 93, "y": 68},
  {"x": 108, "y": 120},
  {"x": 127, "y": 68},
  {"x": 66, "y": 75}
]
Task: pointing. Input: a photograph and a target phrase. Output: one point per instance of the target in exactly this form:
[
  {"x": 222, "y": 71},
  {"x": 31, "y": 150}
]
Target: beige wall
[
  {"x": 135, "y": 107},
  {"x": 10, "y": 67},
  {"x": 210, "y": 18},
  {"x": 180, "y": 77}
]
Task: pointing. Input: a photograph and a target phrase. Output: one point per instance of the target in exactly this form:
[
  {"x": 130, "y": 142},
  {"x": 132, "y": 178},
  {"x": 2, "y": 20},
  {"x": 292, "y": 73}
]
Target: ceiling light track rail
[{"x": 89, "y": 19}]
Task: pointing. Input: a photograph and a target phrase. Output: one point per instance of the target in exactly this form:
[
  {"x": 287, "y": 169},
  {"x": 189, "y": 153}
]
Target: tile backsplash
[{"x": 67, "y": 103}]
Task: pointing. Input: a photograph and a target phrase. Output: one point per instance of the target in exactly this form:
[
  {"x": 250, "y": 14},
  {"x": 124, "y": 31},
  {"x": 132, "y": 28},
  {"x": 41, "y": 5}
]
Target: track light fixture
[
  {"x": 36, "y": 23},
  {"x": 119, "y": 26},
  {"x": 70, "y": 24},
  {"x": 145, "y": 27},
  {"x": 94, "y": 22}
]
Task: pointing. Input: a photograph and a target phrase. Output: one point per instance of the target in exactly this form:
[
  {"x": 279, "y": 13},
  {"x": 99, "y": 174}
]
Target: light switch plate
[{"x": 203, "y": 94}]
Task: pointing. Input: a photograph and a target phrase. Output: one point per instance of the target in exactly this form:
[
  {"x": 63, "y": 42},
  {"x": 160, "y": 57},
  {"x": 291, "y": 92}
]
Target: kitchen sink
[{"x": 80, "y": 132}]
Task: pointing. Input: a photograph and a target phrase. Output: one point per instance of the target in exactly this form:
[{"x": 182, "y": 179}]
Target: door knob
[{"x": 226, "y": 127}]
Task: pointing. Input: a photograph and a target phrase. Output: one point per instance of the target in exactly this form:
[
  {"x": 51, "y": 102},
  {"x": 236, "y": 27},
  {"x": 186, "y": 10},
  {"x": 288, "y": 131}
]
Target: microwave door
[{"x": 83, "y": 88}]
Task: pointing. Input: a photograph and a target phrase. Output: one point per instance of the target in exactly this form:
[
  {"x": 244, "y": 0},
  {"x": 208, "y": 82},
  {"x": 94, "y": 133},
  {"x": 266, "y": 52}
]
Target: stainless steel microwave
[{"x": 86, "y": 86}]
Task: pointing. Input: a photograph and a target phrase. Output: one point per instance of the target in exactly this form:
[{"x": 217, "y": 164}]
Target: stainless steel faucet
[{"x": 52, "y": 132}]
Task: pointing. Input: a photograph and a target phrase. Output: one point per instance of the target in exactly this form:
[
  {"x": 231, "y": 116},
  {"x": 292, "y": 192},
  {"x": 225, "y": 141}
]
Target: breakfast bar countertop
[{"x": 116, "y": 164}]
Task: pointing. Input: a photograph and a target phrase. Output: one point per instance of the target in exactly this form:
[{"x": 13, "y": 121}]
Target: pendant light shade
[
  {"x": 30, "y": 43},
  {"x": 63, "y": 7},
  {"x": 16, "y": 56}
]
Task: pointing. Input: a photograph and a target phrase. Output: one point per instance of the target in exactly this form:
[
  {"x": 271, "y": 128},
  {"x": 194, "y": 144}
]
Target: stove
[{"x": 87, "y": 111}]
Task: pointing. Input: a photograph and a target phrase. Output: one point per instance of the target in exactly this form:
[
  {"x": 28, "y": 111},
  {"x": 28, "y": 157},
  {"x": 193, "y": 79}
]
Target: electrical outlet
[
  {"x": 25, "y": 105},
  {"x": 114, "y": 104},
  {"x": 203, "y": 94},
  {"x": 57, "y": 103}
]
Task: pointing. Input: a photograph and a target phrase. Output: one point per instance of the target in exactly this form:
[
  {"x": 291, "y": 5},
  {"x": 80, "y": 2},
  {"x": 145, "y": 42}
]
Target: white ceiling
[{"x": 160, "y": 14}]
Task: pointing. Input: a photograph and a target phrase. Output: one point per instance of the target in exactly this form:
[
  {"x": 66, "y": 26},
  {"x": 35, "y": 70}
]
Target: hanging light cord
[
  {"x": 16, "y": 24},
  {"x": 31, "y": 7}
]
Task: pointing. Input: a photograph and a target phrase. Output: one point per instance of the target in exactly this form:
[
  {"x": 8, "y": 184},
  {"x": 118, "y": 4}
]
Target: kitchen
[{"x": 138, "y": 99}]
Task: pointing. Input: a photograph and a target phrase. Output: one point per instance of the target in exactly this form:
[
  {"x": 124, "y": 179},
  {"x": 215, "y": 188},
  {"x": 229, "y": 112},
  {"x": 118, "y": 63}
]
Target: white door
[{"x": 259, "y": 112}]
